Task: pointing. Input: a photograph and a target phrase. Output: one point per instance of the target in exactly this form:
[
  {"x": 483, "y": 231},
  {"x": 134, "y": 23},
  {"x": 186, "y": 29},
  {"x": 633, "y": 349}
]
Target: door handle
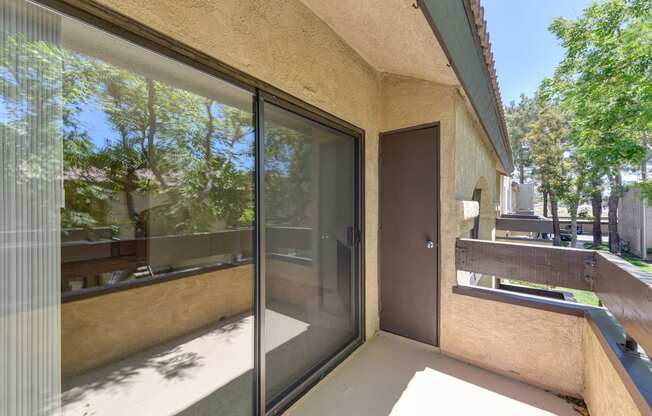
[{"x": 430, "y": 244}]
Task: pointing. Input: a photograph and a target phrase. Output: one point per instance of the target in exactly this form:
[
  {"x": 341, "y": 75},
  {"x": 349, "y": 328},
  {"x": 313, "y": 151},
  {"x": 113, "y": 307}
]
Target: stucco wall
[
  {"x": 285, "y": 44},
  {"x": 102, "y": 329},
  {"x": 539, "y": 347},
  {"x": 318, "y": 67},
  {"x": 604, "y": 392},
  {"x": 629, "y": 220}
]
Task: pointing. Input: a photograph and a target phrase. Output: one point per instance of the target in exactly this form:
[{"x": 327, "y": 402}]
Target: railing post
[{"x": 630, "y": 344}]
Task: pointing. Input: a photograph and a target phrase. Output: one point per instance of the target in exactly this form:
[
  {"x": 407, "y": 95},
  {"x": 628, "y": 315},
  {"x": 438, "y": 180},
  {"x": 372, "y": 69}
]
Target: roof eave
[{"x": 461, "y": 31}]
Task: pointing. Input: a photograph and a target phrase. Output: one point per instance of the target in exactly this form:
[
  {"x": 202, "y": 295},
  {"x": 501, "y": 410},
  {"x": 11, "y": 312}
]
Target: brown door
[{"x": 409, "y": 237}]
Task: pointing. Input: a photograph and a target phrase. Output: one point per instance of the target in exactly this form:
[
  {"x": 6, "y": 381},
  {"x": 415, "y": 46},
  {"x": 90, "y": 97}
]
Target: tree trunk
[
  {"x": 521, "y": 171},
  {"x": 208, "y": 146},
  {"x": 210, "y": 130},
  {"x": 545, "y": 203},
  {"x": 615, "y": 182},
  {"x": 643, "y": 230},
  {"x": 596, "y": 209},
  {"x": 129, "y": 187},
  {"x": 555, "y": 219},
  {"x": 645, "y": 158},
  {"x": 573, "y": 215},
  {"x": 151, "y": 133}
]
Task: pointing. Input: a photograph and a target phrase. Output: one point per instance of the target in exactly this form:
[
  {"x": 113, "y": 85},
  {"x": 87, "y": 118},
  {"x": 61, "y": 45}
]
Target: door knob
[{"x": 430, "y": 244}]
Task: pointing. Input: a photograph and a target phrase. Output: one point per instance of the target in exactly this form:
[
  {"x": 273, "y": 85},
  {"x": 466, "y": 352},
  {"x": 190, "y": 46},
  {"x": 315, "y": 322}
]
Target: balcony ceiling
[{"x": 391, "y": 35}]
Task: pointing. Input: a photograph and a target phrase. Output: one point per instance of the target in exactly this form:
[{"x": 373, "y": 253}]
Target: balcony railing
[
  {"x": 623, "y": 289},
  {"x": 80, "y": 259}
]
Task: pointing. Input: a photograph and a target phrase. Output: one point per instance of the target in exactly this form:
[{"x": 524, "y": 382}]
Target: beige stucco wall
[
  {"x": 539, "y": 347},
  {"x": 285, "y": 44},
  {"x": 535, "y": 346},
  {"x": 99, "y": 330},
  {"x": 629, "y": 220},
  {"x": 604, "y": 391},
  {"x": 318, "y": 67}
]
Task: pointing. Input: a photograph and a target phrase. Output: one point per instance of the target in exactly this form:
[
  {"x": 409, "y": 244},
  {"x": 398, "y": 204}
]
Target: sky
[{"x": 524, "y": 51}]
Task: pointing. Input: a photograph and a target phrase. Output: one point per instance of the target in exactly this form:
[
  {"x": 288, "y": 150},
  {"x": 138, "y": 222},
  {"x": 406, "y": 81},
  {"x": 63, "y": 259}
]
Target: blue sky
[{"x": 524, "y": 51}]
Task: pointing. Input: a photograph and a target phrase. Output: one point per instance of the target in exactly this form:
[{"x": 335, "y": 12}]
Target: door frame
[
  {"x": 437, "y": 126},
  {"x": 303, "y": 384},
  {"x": 129, "y": 29}
]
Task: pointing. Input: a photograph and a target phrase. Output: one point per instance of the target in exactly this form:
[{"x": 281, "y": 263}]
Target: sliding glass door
[
  {"x": 309, "y": 216},
  {"x": 135, "y": 195}
]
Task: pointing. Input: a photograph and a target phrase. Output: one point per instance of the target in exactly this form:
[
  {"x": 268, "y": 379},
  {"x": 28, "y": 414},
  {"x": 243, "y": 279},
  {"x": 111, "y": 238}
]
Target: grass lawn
[
  {"x": 645, "y": 266},
  {"x": 582, "y": 296}
]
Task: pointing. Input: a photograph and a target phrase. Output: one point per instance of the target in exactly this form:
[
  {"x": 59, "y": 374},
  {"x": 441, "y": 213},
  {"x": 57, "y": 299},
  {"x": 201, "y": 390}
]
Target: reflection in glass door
[
  {"x": 309, "y": 210},
  {"x": 126, "y": 225},
  {"x": 128, "y": 216}
]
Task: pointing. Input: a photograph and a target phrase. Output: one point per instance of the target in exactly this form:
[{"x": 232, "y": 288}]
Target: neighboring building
[
  {"x": 516, "y": 198},
  {"x": 631, "y": 222},
  {"x": 524, "y": 198},
  {"x": 255, "y": 189}
]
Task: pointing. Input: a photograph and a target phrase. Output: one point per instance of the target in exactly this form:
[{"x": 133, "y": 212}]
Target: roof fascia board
[{"x": 454, "y": 26}]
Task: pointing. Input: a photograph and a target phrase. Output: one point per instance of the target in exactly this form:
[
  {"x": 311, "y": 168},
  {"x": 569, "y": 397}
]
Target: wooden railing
[
  {"x": 524, "y": 224},
  {"x": 81, "y": 258},
  {"x": 624, "y": 290}
]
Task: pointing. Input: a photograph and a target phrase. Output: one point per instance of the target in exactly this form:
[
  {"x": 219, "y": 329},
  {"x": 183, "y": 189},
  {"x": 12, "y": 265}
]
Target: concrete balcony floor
[
  {"x": 394, "y": 376},
  {"x": 210, "y": 372}
]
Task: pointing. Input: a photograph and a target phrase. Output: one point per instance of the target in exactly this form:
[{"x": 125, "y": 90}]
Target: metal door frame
[{"x": 93, "y": 14}]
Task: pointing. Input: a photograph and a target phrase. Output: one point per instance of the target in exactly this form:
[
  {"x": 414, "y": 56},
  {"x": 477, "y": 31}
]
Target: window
[{"x": 129, "y": 231}]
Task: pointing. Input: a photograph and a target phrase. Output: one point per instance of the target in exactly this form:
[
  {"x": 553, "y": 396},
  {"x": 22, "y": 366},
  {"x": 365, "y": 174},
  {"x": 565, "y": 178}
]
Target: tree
[
  {"x": 519, "y": 118},
  {"x": 575, "y": 172},
  {"x": 595, "y": 190},
  {"x": 548, "y": 143},
  {"x": 605, "y": 81},
  {"x": 189, "y": 156}
]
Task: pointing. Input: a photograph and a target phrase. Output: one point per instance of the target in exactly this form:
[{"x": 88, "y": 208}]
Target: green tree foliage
[
  {"x": 176, "y": 162},
  {"x": 548, "y": 141},
  {"x": 578, "y": 186},
  {"x": 180, "y": 149},
  {"x": 519, "y": 118},
  {"x": 605, "y": 82}
]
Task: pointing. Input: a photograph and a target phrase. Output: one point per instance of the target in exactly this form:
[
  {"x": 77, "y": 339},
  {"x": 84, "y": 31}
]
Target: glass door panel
[
  {"x": 309, "y": 211},
  {"x": 127, "y": 231},
  {"x": 126, "y": 227}
]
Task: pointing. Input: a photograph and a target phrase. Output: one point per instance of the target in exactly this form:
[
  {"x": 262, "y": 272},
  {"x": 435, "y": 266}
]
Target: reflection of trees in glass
[
  {"x": 288, "y": 176},
  {"x": 30, "y": 105},
  {"x": 188, "y": 156}
]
